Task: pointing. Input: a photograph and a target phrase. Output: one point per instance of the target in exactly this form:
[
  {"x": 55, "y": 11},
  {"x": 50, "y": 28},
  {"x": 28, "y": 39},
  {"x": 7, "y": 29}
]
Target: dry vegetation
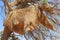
[{"x": 25, "y": 19}]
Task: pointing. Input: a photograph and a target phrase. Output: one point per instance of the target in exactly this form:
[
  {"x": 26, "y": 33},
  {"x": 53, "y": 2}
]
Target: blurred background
[{"x": 41, "y": 33}]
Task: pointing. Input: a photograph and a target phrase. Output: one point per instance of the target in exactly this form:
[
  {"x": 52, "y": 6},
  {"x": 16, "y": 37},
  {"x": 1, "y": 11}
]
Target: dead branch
[{"x": 7, "y": 6}]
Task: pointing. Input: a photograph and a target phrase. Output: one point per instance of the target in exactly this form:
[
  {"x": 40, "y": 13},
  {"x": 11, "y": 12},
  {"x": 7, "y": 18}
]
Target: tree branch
[{"x": 7, "y": 6}]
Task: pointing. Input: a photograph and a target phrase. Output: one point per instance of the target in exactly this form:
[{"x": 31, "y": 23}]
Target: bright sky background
[{"x": 2, "y": 15}]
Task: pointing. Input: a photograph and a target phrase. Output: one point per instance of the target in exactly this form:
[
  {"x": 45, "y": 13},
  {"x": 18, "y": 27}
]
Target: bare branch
[{"x": 7, "y": 5}]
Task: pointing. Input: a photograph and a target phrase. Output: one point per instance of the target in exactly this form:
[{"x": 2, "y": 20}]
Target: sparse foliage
[{"x": 31, "y": 19}]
